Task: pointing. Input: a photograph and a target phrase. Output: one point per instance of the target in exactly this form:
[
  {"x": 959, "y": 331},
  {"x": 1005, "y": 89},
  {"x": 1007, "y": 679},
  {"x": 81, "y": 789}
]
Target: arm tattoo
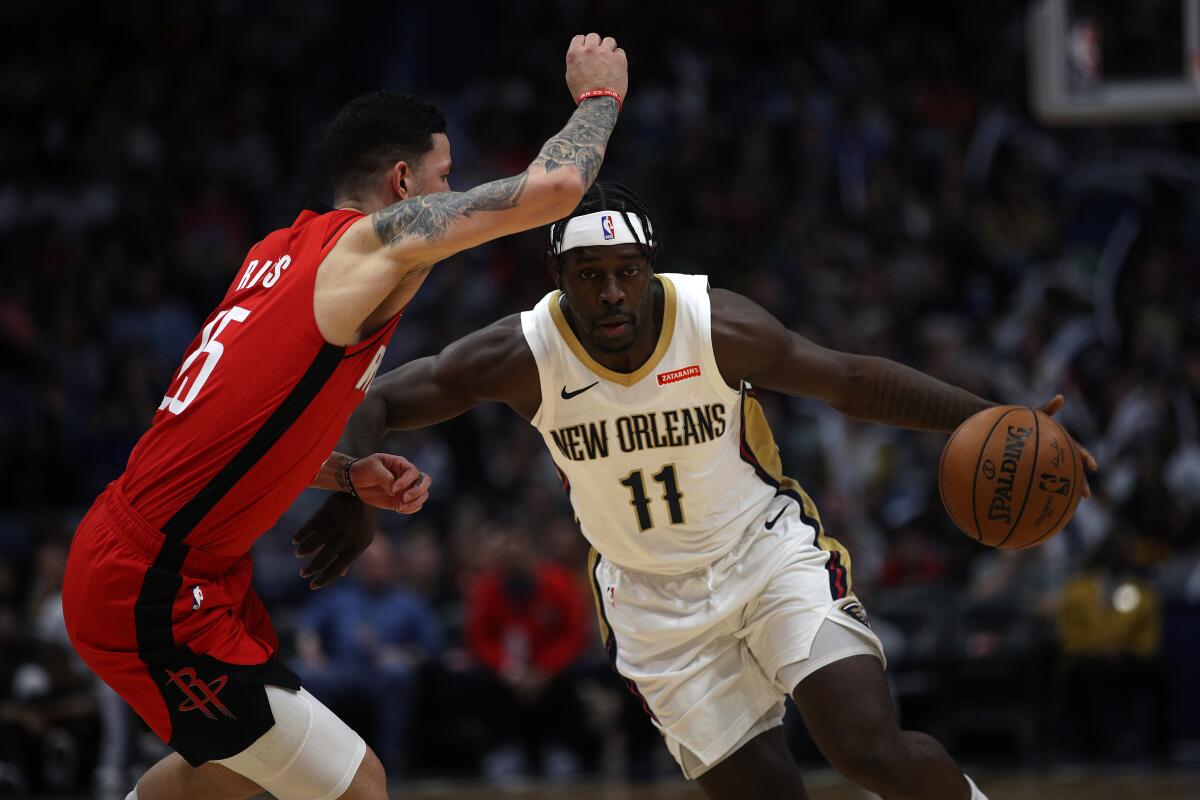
[
  {"x": 429, "y": 215},
  {"x": 897, "y": 395},
  {"x": 581, "y": 143}
]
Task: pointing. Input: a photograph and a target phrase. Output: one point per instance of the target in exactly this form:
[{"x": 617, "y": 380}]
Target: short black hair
[
  {"x": 608, "y": 196},
  {"x": 373, "y": 132}
]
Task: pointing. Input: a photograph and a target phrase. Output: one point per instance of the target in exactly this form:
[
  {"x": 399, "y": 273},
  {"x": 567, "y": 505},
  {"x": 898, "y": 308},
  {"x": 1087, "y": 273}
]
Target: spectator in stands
[
  {"x": 526, "y": 625},
  {"x": 882, "y": 189},
  {"x": 361, "y": 643},
  {"x": 1110, "y": 627},
  {"x": 47, "y": 709},
  {"x": 915, "y": 558}
]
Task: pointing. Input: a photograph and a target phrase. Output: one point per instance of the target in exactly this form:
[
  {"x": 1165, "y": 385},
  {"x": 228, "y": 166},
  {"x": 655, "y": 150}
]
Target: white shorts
[
  {"x": 308, "y": 754},
  {"x": 715, "y": 652}
]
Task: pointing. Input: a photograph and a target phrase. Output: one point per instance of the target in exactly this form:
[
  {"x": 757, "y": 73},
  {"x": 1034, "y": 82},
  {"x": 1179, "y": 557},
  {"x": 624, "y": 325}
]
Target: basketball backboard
[{"x": 1114, "y": 61}]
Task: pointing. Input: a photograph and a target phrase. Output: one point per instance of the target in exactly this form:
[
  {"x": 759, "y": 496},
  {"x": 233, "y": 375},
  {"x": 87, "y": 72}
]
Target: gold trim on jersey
[
  {"x": 623, "y": 378},
  {"x": 606, "y": 634},
  {"x": 758, "y": 439},
  {"x": 592, "y": 562}
]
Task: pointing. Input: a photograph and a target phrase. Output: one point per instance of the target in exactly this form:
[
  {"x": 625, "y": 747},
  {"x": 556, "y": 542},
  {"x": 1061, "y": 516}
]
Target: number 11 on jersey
[{"x": 636, "y": 484}]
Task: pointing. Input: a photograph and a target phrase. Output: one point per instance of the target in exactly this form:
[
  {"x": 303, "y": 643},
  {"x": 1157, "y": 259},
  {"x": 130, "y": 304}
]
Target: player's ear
[
  {"x": 400, "y": 180},
  {"x": 553, "y": 264}
]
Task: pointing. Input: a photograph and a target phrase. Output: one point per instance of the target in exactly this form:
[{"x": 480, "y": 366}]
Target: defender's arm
[
  {"x": 418, "y": 232},
  {"x": 428, "y": 228},
  {"x": 396, "y": 246}
]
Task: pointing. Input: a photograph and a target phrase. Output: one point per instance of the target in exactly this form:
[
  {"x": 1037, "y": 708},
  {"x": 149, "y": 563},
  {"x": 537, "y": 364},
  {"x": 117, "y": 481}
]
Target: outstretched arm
[
  {"x": 426, "y": 229},
  {"x": 382, "y": 258},
  {"x": 752, "y": 345},
  {"x": 491, "y": 364},
  {"x": 494, "y": 363}
]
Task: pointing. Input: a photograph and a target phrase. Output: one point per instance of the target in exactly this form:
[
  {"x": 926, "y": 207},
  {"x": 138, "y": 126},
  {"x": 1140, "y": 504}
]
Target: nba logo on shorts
[{"x": 606, "y": 224}]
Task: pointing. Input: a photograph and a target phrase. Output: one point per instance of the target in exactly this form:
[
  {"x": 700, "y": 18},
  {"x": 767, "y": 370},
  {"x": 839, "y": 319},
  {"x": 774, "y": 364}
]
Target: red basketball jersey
[{"x": 258, "y": 402}]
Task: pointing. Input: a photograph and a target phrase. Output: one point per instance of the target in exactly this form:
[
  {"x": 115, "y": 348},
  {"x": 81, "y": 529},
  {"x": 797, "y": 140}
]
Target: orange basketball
[{"x": 1010, "y": 477}]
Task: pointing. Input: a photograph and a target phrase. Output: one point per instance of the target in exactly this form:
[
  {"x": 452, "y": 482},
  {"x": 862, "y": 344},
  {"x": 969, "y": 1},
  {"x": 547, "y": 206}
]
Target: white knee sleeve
[{"x": 308, "y": 754}]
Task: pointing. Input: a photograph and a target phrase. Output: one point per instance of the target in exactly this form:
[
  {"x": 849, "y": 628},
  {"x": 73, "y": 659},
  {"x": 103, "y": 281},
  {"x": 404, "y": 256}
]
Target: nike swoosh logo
[
  {"x": 771, "y": 524},
  {"x": 568, "y": 395}
]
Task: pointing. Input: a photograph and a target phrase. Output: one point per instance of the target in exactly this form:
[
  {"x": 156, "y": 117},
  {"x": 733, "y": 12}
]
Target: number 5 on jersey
[
  {"x": 641, "y": 504},
  {"x": 209, "y": 347}
]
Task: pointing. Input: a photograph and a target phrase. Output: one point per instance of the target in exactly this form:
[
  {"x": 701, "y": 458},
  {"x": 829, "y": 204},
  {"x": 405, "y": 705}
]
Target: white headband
[{"x": 602, "y": 228}]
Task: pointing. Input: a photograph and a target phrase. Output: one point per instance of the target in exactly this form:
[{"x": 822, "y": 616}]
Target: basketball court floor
[
  {"x": 830, "y": 786},
  {"x": 827, "y": 785}
]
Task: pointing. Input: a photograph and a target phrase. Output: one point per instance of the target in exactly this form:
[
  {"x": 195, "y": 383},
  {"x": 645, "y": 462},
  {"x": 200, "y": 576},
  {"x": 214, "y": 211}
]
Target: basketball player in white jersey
[{"x": 719, "y": 590}]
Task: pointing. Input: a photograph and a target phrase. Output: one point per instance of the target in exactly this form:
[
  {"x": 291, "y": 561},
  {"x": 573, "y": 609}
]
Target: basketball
[{"x": 1010, "y": 477}]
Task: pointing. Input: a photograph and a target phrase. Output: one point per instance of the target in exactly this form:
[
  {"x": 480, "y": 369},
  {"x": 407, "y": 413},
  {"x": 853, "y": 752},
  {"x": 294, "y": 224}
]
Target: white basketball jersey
[{"x": 656, "y": 462}]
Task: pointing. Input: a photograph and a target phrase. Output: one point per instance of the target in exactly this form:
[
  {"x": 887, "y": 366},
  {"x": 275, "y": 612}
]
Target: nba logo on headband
[{"x": 601, "y": 228}]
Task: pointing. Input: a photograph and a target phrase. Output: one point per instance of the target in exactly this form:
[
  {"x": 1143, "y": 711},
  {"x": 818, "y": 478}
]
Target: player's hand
[
  {"x": 391, "y": 482},
  {"x": 595, "y": 63},
  {"x": 1089, "y": 460},
  {"x": 333, "y": 537}
]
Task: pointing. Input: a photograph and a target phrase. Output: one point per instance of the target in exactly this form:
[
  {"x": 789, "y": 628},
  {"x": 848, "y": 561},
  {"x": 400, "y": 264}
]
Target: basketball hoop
[{"x": 1068, "y": 42}]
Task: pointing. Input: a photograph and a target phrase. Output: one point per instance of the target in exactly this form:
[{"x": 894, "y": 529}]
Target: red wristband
[{"x": 600, "y": 93}]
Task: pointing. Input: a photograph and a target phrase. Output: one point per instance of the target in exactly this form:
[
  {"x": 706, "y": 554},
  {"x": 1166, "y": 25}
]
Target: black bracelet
[{"x": 347, "y": 484}]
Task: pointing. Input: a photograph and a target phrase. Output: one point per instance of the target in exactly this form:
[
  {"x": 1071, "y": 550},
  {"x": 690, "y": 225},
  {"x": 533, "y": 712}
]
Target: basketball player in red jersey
[{"x": 157, "y": 594}]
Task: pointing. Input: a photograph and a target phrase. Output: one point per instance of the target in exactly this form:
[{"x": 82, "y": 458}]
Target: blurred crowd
[{"x": 874, "y": 180}]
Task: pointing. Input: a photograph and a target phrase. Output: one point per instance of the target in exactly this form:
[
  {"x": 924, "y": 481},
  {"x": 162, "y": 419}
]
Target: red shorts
[{"x": 177, "y": 632}]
